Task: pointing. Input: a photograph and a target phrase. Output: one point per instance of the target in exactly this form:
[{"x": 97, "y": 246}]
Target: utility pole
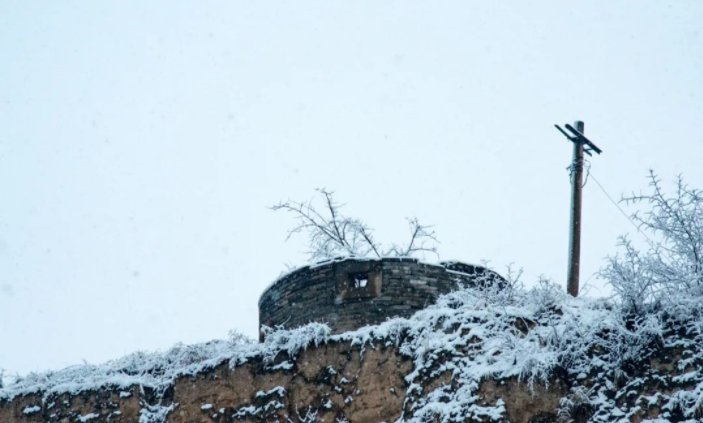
[{"x": 581, "y": 145}]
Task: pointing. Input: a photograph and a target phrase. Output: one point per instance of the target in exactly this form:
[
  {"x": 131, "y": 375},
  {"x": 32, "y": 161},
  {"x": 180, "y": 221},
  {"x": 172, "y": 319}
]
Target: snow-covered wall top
[{"x": 350, "y": 293}]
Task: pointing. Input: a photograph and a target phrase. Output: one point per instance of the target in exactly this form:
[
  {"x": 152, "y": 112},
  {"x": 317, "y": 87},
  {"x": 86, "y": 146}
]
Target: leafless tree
[
  {"x": 331, "y": 234},
  {"x": 673, "y": 265}
]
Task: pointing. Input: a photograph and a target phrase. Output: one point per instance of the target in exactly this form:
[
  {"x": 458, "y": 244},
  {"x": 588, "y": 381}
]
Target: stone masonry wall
[{"x": 390, "y": 287}]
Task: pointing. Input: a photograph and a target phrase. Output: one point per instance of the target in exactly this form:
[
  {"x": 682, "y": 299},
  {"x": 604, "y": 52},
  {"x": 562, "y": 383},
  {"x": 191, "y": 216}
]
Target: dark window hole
[{"x": 358, "y": 280}]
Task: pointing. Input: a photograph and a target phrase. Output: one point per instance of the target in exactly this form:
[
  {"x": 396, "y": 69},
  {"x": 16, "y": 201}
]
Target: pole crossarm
[{"x": 578, "y": 137}]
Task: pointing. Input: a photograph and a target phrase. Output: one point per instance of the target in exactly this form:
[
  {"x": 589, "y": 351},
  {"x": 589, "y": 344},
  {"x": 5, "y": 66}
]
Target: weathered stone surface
[
  {"x": 119, "y": 406},
  {"x": 525, "y": 405},
  {"x": 335, "y": 378}
]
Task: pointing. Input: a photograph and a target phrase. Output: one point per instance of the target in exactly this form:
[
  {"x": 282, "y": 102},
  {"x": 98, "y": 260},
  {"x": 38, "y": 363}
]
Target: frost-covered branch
[
  {"x": 422, "y": 239},
  {"x": 673, "y": 265},
  {"x": 332, "y": 234}
]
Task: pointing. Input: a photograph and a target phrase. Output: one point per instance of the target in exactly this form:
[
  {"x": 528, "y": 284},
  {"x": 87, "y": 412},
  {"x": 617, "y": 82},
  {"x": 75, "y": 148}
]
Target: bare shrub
[
  {"x": 673, "y": 264},
  {"x": 331, "y": 234}
]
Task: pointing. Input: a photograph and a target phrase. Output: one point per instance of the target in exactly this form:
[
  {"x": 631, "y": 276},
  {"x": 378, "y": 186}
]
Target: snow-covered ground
[{"x": 603, "y": 354}]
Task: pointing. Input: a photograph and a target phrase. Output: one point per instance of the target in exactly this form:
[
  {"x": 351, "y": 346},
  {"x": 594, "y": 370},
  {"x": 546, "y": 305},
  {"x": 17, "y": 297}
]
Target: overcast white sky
[{"x": 140, "y": 145}]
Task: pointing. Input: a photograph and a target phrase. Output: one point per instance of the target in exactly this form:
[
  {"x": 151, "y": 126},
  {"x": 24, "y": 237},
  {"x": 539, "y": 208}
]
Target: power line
[{"x": 615, "y": 203}]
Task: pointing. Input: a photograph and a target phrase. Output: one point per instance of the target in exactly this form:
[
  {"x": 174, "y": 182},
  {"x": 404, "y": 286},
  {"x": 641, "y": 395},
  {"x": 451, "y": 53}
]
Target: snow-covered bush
[
  {"x": 672, "y": 267},
  {"x": 155, "y": 370}
]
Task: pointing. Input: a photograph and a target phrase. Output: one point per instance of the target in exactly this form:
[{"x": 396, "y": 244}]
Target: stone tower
[{"x": 350, "y": 293}]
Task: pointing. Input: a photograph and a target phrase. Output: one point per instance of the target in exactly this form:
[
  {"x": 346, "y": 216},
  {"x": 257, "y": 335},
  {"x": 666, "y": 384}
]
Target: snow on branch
[
  {"x": 331, "y": 234},
  {"x": 673, "y": 265},
  {"x": 422, "y": 239}
]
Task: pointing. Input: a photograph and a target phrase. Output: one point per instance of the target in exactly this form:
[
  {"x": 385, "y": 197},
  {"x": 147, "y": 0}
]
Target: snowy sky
[{"x": 141, "y": 144}]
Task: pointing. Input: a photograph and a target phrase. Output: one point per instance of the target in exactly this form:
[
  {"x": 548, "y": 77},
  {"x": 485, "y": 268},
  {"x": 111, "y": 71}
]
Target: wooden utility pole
[
  {"x": 572, "y": 275},
  {"x": 581, "y": 145}
]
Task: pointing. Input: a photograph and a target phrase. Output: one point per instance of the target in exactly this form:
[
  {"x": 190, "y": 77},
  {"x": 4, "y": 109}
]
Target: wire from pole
[{"x": 629, "y": 219}]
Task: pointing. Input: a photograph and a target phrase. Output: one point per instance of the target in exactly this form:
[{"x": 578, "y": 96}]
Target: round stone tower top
[{"x": 351, "y": 293}]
